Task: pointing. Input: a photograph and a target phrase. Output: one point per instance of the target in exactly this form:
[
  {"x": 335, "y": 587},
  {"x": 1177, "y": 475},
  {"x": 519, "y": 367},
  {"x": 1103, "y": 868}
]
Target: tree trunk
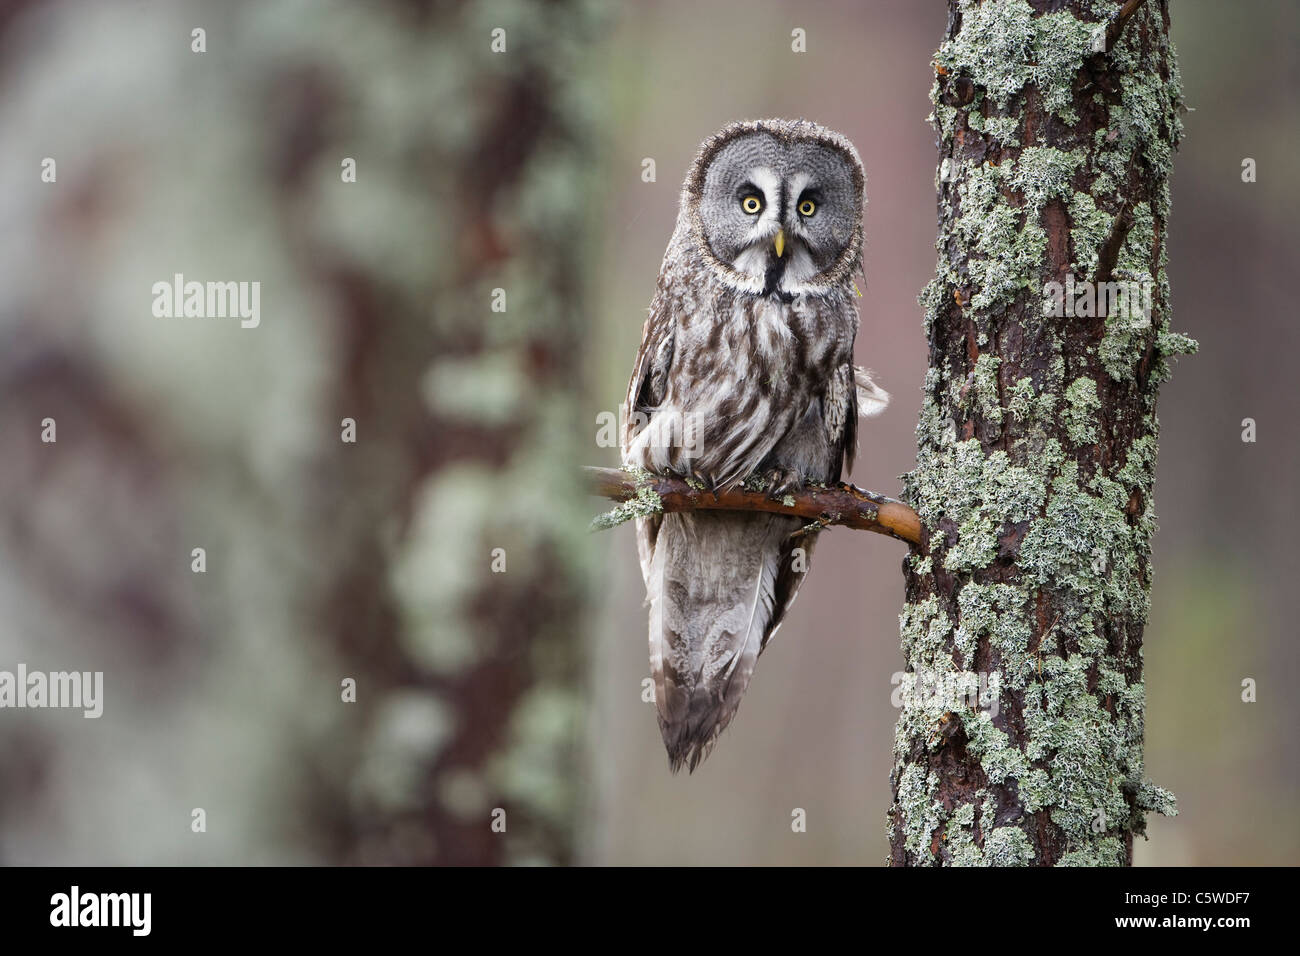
[
  {"x": 484, "y": 640},
  {"x": 1020, "y": 741},
  {"x": 438, "y": 560},
  {"x": 450, "y": 597}
]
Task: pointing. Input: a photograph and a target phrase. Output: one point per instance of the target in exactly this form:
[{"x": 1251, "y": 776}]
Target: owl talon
[
  {"x": 782, "y": 482},
  {"x": 700, "y": 481}
]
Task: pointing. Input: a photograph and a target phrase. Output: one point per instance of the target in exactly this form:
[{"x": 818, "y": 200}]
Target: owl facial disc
[{"x": 776, "y": 206}]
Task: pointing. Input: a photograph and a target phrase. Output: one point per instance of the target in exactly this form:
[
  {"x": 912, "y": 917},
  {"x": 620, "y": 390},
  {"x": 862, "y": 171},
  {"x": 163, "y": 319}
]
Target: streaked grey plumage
[{"x": 745, "y": 368}]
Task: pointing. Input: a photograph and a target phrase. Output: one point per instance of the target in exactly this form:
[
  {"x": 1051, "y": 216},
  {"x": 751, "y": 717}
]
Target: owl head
[{"x": 775, "y": 206}]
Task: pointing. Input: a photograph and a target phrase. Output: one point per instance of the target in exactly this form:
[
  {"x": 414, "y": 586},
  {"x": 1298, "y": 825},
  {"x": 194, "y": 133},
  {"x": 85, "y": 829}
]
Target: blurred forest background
[{"x": 520, "y": 689}]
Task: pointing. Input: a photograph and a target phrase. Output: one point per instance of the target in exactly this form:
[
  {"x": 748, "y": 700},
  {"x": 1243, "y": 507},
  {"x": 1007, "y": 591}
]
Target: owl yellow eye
[
  {"x": 807, "y": 207},
  {"x": 751, "y": 204}
]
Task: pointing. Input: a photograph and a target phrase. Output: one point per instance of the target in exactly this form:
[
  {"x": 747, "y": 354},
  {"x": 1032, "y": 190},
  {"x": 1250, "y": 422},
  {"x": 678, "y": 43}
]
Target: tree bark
[
  {"x": 457, "y": 604},
  {"x": 1020, "y": 739},
  {"x": 438, "y": 560}
]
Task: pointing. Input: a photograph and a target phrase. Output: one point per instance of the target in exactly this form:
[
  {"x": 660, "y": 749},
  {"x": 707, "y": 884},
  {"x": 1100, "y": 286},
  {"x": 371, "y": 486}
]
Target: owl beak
[{"x": 779, "y": 243}]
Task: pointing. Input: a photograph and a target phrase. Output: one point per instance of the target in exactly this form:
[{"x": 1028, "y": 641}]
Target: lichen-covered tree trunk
[
  {"x": 382, "y": 169},
  {"x": 1048, "y": 328},
  {"x": 455, "y": 558},
  {"x": 475, "y": 669}
]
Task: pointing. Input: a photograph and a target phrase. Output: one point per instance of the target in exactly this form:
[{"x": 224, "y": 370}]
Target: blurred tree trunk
[
  {"x": 456, "y": 606},
  {"x": 438, "y": 560},
  {"x": 1037, "y": 438}
]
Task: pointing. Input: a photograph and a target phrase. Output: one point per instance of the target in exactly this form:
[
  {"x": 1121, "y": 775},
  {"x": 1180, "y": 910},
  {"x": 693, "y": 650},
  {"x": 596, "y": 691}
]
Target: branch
[
  {"x": 1108, "y": 253},
  {"x": 643, "y": 494},
  {"x": 1116, "y": 25}
]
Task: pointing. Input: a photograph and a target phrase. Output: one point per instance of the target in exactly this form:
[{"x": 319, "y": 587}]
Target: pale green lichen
[
  {"x": 1089, "y": 229},
  {"x": 991, "y": 846},
  {"x": 1084, "y": 547},
  {"x": 994, "y": 611},
  {"x": 1003, "y": 130},
  {"x": 976, "y": 545},
  {"x": 924, "y": 629},
  {"x": 919, "y": 812},
  {"x": 644, "y": 504},
  {"x": 1107, "y": 851},
  {"x": 959, "y": 481},
  {"x": 1005, "y": 244},
  {"x": 1063, "y": 631},
  {"x": 959, "y": 837},
  {"x": 1000, "y": 760},
  {"x": 1157, "y": 800},
  {"x": 1044, "y": 172},
  {"x": 1031, "y": 404},
  {"x": 1003, "y": 46},
  {"x": 943, "y": 117},
  {"x": 1176, "y": 343},
  {"x": 984, "y": 387},
  {"x": 1008, "y": 846},
  {"x": 1074, "y": 738},
  {"x": 1081, "y": 406}
]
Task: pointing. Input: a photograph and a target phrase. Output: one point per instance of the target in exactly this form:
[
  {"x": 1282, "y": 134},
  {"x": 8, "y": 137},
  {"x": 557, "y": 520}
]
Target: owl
[{"x": 745, "y": 374}]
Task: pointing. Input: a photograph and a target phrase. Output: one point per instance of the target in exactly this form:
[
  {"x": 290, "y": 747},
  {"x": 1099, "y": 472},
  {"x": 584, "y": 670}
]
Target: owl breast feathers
[{"x": 745, "y": 369}]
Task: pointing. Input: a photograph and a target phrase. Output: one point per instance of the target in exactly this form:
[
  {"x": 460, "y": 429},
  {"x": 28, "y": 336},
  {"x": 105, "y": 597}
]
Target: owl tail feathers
[{"x": 712, "y": 588}]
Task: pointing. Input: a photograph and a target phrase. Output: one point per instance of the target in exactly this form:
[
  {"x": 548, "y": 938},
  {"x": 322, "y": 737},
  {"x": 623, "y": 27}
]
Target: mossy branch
[{"x": 642, "y": 494}]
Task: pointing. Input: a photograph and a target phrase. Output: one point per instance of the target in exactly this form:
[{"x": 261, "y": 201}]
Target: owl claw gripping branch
[{"x": 750, "y": 337}]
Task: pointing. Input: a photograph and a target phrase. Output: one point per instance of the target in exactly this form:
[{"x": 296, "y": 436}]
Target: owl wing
[
  {"x": 839, "y": 422},
  {"x": 850, "y": 393},
  {"x": 649, "y": 382},
  {"x": 788, "y": 580},
  {"x": 645, "y": 391}
]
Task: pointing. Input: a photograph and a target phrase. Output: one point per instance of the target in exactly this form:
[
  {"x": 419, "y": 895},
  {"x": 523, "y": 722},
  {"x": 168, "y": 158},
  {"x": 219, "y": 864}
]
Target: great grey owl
[{"x": 745, "y": 369}]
